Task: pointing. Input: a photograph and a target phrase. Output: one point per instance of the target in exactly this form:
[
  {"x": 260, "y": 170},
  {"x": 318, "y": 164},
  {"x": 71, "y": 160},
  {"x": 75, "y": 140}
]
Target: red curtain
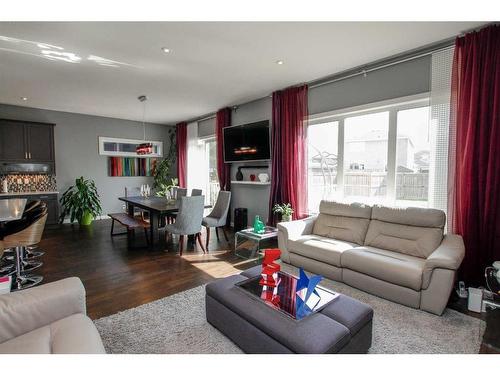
[
  {"x": 289, "y": 171},
  {"x": 223, "y": 119},
  {"x": 181, "y": 139},
  {"x": 476, "y": 118}
]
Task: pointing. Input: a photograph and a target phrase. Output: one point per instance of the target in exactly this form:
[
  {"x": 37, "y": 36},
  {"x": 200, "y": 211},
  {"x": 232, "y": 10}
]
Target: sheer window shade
[{"x": 440, "y": 128}]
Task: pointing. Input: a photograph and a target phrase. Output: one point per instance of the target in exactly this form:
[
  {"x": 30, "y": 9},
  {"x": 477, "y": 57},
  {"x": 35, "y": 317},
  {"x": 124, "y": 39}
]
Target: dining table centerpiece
[{"x": 169, "y": 191}]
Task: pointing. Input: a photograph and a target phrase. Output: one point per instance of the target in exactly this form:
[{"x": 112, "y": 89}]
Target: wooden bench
[{"x": 129, "y": 222}]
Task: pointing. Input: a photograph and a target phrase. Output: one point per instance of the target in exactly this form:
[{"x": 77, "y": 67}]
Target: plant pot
[
  {"x": 286, "y": 218},
  {"x": 86, "y": 219}
]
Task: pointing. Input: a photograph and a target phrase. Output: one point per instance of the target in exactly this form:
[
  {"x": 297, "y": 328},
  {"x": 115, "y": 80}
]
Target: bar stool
[{"x": 22, "y": 236}]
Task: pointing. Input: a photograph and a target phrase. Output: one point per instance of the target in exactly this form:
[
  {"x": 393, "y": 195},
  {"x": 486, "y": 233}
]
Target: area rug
[{"x": 177, "y": 324}]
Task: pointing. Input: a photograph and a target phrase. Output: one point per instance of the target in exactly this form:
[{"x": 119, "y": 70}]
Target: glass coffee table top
[{"x": 285, "y": 298}]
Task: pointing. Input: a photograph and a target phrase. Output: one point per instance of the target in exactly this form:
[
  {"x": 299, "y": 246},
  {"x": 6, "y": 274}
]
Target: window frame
[{"x": 393, "y": 106}]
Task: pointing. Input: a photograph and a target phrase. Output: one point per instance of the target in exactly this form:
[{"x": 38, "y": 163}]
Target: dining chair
[
  {"x": 188, "y": 221},
  {"x": 179, "y": 193},
  {"x": 195, "y": 192},
  {"x": 217, "y": 218}
]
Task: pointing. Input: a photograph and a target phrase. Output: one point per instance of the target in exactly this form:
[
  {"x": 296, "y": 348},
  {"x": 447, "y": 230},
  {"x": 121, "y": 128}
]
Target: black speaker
[{"x": 240, "y": 219}]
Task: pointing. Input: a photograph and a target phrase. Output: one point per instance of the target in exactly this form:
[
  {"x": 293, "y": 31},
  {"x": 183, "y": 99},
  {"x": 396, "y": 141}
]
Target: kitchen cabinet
[
  {"x": 27, "y": 142},
  {"x": 12, "y": 141}
]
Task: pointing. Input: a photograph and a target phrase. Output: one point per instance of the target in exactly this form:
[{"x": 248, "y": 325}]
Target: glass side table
[{"x": 249, "y": 245}]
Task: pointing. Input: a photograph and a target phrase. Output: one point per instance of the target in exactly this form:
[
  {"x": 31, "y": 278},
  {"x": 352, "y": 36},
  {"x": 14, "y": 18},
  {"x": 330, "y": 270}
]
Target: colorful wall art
[{"x": 128, "y": 167}]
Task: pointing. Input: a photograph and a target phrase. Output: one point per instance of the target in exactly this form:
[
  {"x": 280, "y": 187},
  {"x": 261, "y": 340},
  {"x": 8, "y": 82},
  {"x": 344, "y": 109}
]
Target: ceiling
[{"x": 101, "y": 68}]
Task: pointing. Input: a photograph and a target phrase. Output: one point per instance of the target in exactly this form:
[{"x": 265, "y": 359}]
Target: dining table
[{"x": 157, "y": 207}]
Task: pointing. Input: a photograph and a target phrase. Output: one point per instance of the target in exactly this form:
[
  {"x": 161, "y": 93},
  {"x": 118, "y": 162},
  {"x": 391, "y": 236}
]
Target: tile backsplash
[{"x": 18, "y": 183}]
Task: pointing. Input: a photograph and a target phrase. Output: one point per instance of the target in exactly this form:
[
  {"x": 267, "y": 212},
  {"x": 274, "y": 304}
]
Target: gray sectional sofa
[{"x": 400, "y": 254}]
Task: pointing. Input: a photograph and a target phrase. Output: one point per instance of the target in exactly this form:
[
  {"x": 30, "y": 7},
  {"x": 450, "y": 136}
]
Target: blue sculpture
[{"x": 309, "y": 284}]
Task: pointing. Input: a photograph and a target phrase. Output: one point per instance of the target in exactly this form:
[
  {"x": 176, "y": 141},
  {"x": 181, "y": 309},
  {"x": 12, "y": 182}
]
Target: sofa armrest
[
  {"x": 294, "y": 229},
  {"x": 26, "y": 310},
  {"x": 448, "y": 255},
  {"x": 291, "y": 230}
]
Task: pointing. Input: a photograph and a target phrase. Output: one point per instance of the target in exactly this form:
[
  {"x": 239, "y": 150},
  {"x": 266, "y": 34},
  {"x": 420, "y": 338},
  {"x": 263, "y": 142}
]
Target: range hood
[{"x": 26, "y": 168}]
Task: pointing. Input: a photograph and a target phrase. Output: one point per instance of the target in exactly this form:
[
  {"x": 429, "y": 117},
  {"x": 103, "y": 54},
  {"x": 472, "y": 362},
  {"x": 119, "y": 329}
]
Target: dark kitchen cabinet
[
  {"x": 12, "y": 141},
  {"x": 52, "y": 206},
  {"x": 26, "y": 142},
  {"x": 40, "y": 141}
]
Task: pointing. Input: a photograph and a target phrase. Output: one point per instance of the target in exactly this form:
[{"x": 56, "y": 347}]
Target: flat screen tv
[{"x": 248, "y": 142}]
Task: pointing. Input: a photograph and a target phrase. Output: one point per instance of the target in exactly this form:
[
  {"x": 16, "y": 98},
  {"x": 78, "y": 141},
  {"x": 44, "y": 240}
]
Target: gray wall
[
  {"x": 409, "y": 78},
  {"x": 76, "y": 146}
]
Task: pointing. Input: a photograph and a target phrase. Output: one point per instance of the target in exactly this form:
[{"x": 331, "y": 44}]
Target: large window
[{"x": 384, "y": 154}]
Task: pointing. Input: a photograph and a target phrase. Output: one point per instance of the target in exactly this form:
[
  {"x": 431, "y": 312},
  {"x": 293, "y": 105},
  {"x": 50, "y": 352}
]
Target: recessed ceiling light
[
  {"x": 165, "y": 49},
  {"x": 280, "y": 62},
  {"x": 23, "y": 98}
]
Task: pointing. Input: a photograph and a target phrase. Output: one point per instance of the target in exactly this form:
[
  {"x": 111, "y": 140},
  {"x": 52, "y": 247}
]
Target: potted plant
[
  {"x": 285, "y": 210},
  {"x": 81, "y": 202},
  {"x": 161, "y": 174},
  {"x": 165, "y": 190}
]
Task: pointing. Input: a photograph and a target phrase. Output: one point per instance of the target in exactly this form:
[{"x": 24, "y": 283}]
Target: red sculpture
[{"x": 270, "y": 269}]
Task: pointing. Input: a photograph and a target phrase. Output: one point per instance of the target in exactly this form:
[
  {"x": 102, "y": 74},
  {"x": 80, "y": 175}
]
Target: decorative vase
[
  {"x": 86, "y": 219},
  {"x": 239, "y": 175},
  {"x": 258, "y": 225},
  {"x": 263, "y": 177},
  {"x": 252, "y": 177},
  {"x": 286, "y": 217}
]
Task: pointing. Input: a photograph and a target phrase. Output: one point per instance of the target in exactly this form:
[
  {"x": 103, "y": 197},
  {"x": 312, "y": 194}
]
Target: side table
[{"x": 249, "y": 245}]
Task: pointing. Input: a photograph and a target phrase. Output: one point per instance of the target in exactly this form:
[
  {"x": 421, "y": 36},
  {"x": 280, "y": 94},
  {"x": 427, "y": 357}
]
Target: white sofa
[
  {"x": 46, "y": 319},
  {"x": 398, "y": 254}
]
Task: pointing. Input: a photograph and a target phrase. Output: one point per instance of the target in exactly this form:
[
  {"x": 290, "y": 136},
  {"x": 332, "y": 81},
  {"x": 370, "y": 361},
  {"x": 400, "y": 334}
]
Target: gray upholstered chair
[
  {"x": 188, "y": 221},
  {"x": 179, "y": 193},
  {"x": 217, "y": 218},
  {"x": 195, "y": 192}
]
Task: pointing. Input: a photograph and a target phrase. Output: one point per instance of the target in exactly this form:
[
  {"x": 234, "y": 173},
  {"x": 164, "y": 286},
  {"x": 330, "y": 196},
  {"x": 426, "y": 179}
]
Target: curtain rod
[{"x": 370, "y": 67}]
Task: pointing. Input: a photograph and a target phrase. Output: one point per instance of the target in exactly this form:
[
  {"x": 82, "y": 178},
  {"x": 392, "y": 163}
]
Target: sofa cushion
[
  {"x": 323, "y": 249},
  {"x": 396, "y": 268},
  {"x": 75, "y": 334},
  {"x": 413, "y": 231},
  {"x": 414, "y": 216},
  {"x": 346, "y": 222}
]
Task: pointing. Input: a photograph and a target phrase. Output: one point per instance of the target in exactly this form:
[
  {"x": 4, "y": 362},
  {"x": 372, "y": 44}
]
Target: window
[
  {"x": 386, "y": 153},
  {"x": 413, "y": 157},
  {"x": 322, "y": 161},
  {"x": 365, "y": 160},
  {"x": 211, "y": 179}
]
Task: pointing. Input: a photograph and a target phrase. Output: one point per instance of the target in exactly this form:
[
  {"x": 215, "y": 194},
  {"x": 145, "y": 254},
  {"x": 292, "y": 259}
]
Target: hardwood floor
[{"x": 117, "y": 277}]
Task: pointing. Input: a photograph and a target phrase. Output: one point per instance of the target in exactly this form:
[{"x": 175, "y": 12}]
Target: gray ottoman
[{"x": 342, "y": 326}]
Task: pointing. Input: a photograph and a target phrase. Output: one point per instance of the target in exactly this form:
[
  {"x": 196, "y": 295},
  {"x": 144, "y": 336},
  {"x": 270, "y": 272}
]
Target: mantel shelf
[{"x": 250, "y": 183}]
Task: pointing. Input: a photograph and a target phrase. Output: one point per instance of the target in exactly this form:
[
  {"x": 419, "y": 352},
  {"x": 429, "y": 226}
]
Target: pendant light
[{"x": 144, "y": 148}]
